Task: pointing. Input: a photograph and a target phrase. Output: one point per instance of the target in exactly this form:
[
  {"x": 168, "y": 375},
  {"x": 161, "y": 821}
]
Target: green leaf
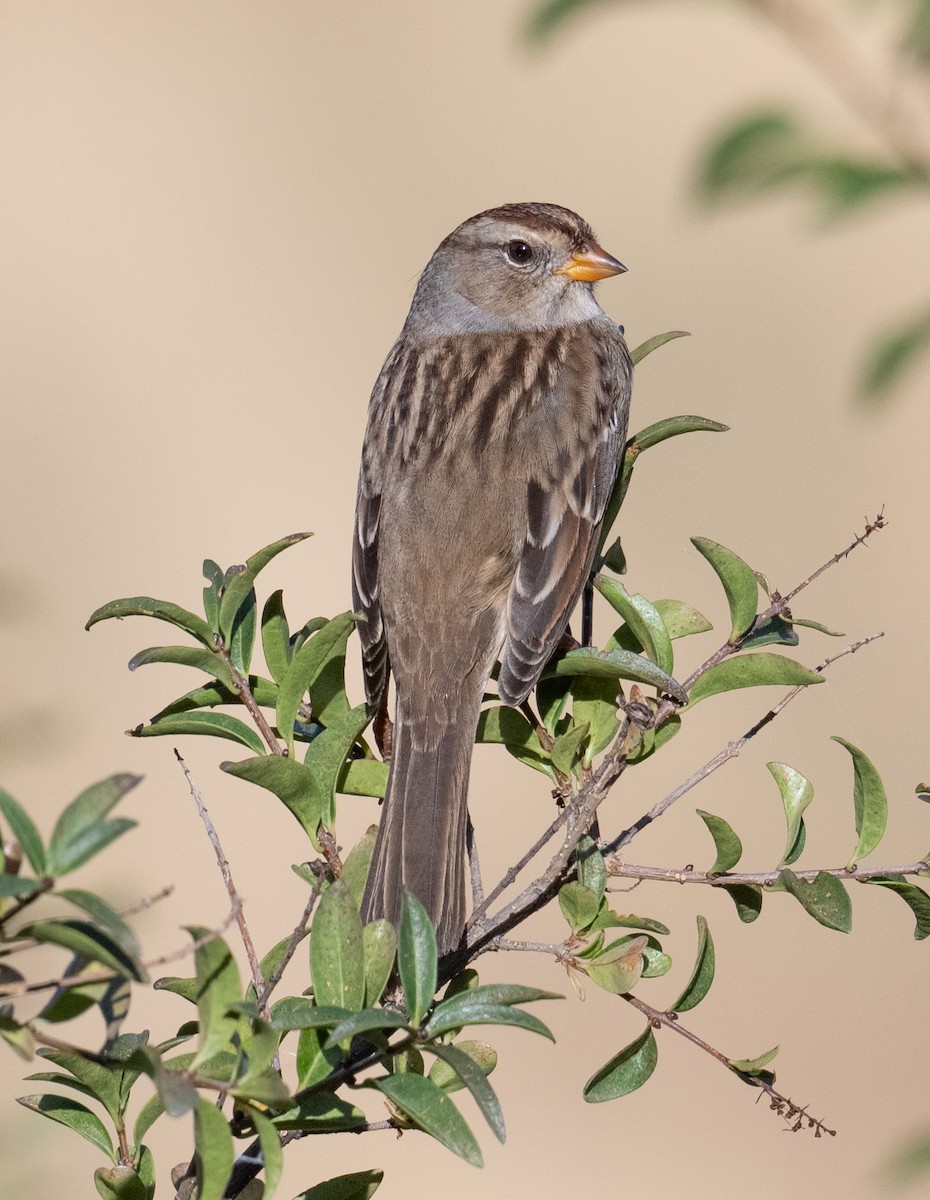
[
  {"x": 894, "y": 353},
  {"x": 363, "y": 777},
  {"x": 318, "y": 667},
  {"x": 476, "y": 1008},
  {"x": 618, "y": 967},
  {"x": 24, "y": 831},
  {"x": 300, "y": 1012},
  {"x": 760, "y": 669},
  {"x": 321, "y": 1112},
  {"x": 592, "y": 872},
  {"x": 618, "y": 664},
  {"x": 276, "y": 645},
  {"x": 314, "y": 1063},
  {"x": 807, "y": 624},
  {"x": 653, "y": 343},
  {"x": 81, "y": 831},
  {"x": 915, "y": 897},
  {"x": 748, "y": 900},
  {"x": 87, "y": 940},
  {"x": 361, "y": 1185},
  {"x": 215, "y": 1155},
  {"x": 739, "y": 583},
  {"x": 204, "y": 724},
  {"x": 505, "y": 726},
  {"x": 611, "y": 920},
  {"x": 121, "y": 1182},
  {"x": 264, "y": 693},
  {"x": 327, "y": 753},
  {"x": 104, "y": 916},
  {"x": 416, "y": 958},
  {"x": 446, "y": 1077},
  {"x": 548, "y": 16},
  {"x": 432, "y": 1111},
  {"x": 702, "y": 974},
  {"x": 729, "y": 847},
  {"x": 162, "y": 610},
  {"x": 625, "y": 1072},
  {"x": 474, "y": 1076},
  {"x": 272, "y": 1153},
  {"x": 644, "y": 620},
  {"x": 870, "y": 802},
  {"x": 796, "y": 794},
  {"x": 566, "y": 748},
  {"x": 824, "y": 897},
  {"x": 579, "y": 905},
  {"x": 197, "y": 657},
  {"x": 365, "y": 1021},
  {"x": 293, "y": 784},
  {"x": 357, "y": 864},
  {"x": 753, "y": 1066},
  {"x": 98, "y": 1081},
  {"x": 74, "y": 1115},
  {"x": 681, "y": 620},
  {"x": 218, "y": 986},
  {"x": 773, "y": 632},
  {"x": 13, "y": 885},
  {"x": 337, "y": 959},
  {"x": 380, "y": 945},
  {"x": 653, "y": 740},
  {"x": 594, "y": 704}
]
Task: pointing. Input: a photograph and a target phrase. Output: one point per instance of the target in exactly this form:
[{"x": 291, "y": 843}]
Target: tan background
[{"x": 213, "y": 215}]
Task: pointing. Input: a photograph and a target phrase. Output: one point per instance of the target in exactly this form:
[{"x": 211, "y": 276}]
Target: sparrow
[{"x": 495, "y": 431}]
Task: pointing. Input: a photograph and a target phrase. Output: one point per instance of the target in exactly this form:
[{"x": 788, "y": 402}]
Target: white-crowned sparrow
[{"x": 494, "y": 435}]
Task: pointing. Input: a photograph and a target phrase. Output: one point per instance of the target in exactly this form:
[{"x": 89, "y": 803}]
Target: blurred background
[{"x": 213, "y": 217}]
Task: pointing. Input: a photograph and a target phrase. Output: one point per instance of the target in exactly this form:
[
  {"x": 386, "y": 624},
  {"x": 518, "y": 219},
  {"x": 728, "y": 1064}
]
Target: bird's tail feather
[{"x": 421, "y": 838}]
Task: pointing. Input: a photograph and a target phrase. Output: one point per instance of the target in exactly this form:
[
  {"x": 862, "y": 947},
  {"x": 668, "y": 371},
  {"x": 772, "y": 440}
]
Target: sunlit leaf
[
  {"x": 74, "y": 1115},
  {"x": 915, "y": 897},
  {"x": 702, "y": 973},
  {"x": 753, "y": 1066},
  {"x": 869, "y": 800},
  {"x": 361, "y": 1185},
  {"x": 566, "y": 748},
  {"x": 618, "y": 664},
  {"x": 215, "y": 1154},
  {"x": 86, "y": 939},
  {"x": 204, "y": 724},
  {"x": 579, "y": 905},
  {"x": 81, "y": 831},
  {"x": 592, "y": 871},
  {"x": 638, "y": 353},
  {"x": 625, "y": 1072},
  {"x": 739, "y": 583},
  {"x": 24, "y": 831},
  {"x": 380, "y": 945},
  {"x": 760, "y": 669},
  {"x": 643, "y": 618},
  {"x": 218, "y": 986},
  {"x": 318, "y": 667},
  {"x": 185, "y": 656},
  {"x": 416, "y": 958},
  {"x": 681, "y": 620},
  {"x": 432, "y": 1111},
  {"x": 272, "y": 1154},
  {"x": 729, "y": 847},
  {"x": 824, "y": 897},
  {"x": 796, "y": 794},
  {"x": 337, "y": 959},
  {"x": 503, "y": 725},
  {"x": 473, "y": 1073},
  {"x": 294, "y": 785}
]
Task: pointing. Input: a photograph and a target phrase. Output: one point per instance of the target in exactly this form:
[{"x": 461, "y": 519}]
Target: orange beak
[{"x": 591, "y": 265}]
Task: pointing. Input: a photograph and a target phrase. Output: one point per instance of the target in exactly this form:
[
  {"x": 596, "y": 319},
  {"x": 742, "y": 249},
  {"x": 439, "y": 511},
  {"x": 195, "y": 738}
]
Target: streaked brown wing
[{"x": 565, "y": 507}]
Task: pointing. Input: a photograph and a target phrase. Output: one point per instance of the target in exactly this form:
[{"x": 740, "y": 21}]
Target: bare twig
[
  {"x": 858, "y": 873},
  {"x": 474, "y": 864},
  {"x": 300, "y": 931},
  {"x": 254, "y": 965},
  {"x": 786, "y": 1108},
  {"x": 147, "y": 902}
]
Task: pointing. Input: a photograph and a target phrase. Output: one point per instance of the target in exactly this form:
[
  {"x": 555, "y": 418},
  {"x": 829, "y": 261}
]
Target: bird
[{"x": 494, "y": 435}]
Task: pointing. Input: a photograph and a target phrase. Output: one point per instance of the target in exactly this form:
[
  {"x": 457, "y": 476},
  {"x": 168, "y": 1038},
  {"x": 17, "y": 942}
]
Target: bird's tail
[{"x": 421, "y": 839}]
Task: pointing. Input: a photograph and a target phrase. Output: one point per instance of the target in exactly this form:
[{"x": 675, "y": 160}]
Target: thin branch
[
  {"x": 730, "y": 751},
  {"x": 474, "y": 864},
  {"x": 300, "y": 931},
  {"x": 860, "y": 874},
  {"x": 43, "y": 887},
  {"x": 147, "y": 902},
  {"x": 241, "y": 685},
  {"x": 785, "y": 1107},
  {"x": 234, "y": 900}
]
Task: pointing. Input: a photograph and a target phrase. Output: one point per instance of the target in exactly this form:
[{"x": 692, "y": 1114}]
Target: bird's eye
[{"x": 519, "y": 252}]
